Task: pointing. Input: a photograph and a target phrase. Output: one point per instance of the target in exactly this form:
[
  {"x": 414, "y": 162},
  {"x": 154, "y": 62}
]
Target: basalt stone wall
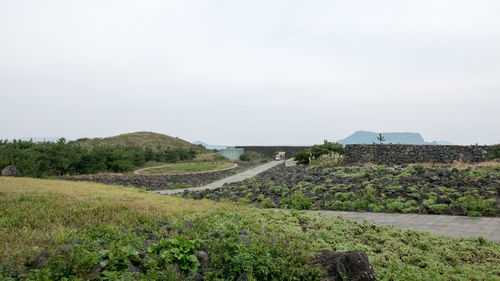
[
  {"x": 270, "y": 151},
  {"x": 405, "y": 154},
  {"x": 155, "y": 182}
]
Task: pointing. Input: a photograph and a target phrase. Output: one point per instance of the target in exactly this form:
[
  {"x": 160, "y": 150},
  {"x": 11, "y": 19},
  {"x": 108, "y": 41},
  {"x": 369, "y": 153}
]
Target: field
[
  {"x": 451, "y": 190},
  {"x": 185, "y": 168},
  {"x": 53, "y": 229}
]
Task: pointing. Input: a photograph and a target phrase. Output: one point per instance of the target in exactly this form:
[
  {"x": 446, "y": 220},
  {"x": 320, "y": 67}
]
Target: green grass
[
  {"x": 190, "y": 167},
  {"x": 99, "y": 221}
]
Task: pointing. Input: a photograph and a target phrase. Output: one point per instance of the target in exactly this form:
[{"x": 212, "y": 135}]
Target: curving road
[{"x": 235, "y": 178}]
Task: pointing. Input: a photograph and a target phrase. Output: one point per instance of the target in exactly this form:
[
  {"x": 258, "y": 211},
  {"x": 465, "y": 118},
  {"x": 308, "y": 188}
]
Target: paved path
[
  {"x": 235, "y": 178},
  {"x": 455, "y": 226}
]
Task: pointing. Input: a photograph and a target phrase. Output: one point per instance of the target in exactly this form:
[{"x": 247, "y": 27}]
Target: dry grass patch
[{"x": 36, "y": 213}]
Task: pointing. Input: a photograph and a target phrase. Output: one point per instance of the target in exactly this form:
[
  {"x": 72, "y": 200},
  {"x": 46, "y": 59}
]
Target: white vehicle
[{"x": 280, "y": 155}]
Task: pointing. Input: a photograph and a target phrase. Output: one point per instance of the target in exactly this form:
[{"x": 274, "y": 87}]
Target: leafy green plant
[
  {"x": 297, "y": 201},
  {"x": 178, "y": 250},
  {"x": 119, "y": 258},
  {"x": 304, "y": 157},
  {"x": 267, "y": 203}
]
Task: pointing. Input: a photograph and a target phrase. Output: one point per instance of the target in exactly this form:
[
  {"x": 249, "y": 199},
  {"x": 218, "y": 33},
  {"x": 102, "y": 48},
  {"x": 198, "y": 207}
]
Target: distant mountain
[
  {"x": 365, "y": 137},
  {"x": 210, "y": 146},
  {"x": 141, "y": 139}
]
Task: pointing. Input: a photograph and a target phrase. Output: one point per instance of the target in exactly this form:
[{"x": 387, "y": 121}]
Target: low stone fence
[
  {"x": 270, "y": 151},
  {"x": 155, "y": 182},
  {"x": 406, "y": 154}
]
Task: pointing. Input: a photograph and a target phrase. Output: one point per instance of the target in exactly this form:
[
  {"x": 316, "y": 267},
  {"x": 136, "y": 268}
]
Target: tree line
[{"x": 62, "y": 157}]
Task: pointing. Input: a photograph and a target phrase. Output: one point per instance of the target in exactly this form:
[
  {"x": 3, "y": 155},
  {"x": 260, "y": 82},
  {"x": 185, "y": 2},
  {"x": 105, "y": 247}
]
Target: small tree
[{"x": 381, "y": 138}]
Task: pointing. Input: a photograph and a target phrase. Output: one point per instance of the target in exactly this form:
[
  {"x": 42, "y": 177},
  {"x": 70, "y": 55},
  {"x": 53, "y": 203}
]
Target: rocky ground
[
  {"x": 405, "y": 189},
  {"x": 157, "y": 182}
]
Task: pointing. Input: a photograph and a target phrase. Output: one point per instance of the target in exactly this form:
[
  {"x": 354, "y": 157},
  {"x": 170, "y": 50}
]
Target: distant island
[{"x": 366, "y": 137}]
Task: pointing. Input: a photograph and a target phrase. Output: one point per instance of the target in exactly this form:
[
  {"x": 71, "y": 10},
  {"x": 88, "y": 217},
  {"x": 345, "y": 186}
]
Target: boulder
[
  {"x": 203, "y": 258},
  {"x": 352, "y": 266},
  {"x": 10, "y": 171},
  {"x": 460, "y": 210},
  {"x": 195, "y": 276}
]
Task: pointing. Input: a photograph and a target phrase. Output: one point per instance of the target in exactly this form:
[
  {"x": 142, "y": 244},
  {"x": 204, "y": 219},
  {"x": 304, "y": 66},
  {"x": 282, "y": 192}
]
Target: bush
[
  {"x": 302, "y": 157},
  {"x": 59, "y": 158},
  {"x": 297, "y": 201},
  {"x": 316, "y": 151},
  {"x": 267, "y": 203},
  {"x": 496, "y": 151}
]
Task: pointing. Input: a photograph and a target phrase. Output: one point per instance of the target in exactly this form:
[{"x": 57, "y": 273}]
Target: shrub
[
  {"x": 267, "y": 203},
  {"x": 178, "y": 250},
  {"x": 496, "y": 150},
  {"x": 297, "y": 201},
  {"x": 476, "y": 205},
  {"x": 304, "y": 157}
]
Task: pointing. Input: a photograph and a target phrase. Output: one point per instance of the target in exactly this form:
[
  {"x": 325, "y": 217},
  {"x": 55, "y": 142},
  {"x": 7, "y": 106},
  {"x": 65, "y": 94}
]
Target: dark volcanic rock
[
  {"x": 38, "y": 261},
  {"x": 203, "y": 258},
  {"x": 460, "y": 211},
  {"x": 353, "y": 266},
  {"x": 155, "y": 182},
  {"x": 10, "y": 171},
  {"x": 193, "y": 275}
]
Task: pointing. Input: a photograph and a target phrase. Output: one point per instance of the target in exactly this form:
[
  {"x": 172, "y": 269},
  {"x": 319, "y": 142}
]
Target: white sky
[{"x": 251, "y": 72}]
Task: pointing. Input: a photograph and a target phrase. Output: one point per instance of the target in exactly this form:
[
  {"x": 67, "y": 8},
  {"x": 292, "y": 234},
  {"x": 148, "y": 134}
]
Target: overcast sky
[{"x": 251, "y": 72}]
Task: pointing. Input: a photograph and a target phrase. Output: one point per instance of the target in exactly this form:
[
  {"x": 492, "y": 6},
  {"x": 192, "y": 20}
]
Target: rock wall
[
  {"x": 270, "y": 151},
  {"x": 156, "y": 182},
  {"x": 405, "y": 154}
]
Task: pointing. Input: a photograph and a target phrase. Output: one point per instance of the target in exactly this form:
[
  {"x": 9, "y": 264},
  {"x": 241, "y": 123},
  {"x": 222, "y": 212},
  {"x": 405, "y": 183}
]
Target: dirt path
[{"x": 235, "y": 178}]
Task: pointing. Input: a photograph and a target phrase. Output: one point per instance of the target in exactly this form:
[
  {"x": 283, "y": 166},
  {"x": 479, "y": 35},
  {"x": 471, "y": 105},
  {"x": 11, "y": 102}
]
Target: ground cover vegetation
[
  {"x": 472, "y": 191},
  {"x": 59, "y": 158},
  {"x": 59, "y": 230}
]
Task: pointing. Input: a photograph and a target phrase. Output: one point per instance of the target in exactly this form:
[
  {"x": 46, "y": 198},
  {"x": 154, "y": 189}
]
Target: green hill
[{"x": 141, "y": 139}]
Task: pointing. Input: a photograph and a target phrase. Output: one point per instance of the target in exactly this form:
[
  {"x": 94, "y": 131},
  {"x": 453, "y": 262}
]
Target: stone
[
  {"x": 10, "y": 171},
  {"x": 353, "y": 266},
  {"x": 203, "y": 258},
  {"x": 460, "y": 211},
  {"x": 133, "y": 268},
  {"x": 38, "y": 261},
  {"x": 193, "y": 275},
  {"x": 242, "y": 277}
]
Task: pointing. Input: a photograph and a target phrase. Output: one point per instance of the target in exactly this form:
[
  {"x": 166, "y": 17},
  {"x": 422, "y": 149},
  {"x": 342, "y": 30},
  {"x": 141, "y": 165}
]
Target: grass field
[
  {"x": 94, "y": 231},
  {"x": 188, "y": 168}
]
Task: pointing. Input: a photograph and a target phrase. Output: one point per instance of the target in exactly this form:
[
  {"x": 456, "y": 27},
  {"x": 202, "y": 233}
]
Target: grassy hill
[
  {"x": 53, "y": 229},
  {"x": 141, "y": 139}
]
